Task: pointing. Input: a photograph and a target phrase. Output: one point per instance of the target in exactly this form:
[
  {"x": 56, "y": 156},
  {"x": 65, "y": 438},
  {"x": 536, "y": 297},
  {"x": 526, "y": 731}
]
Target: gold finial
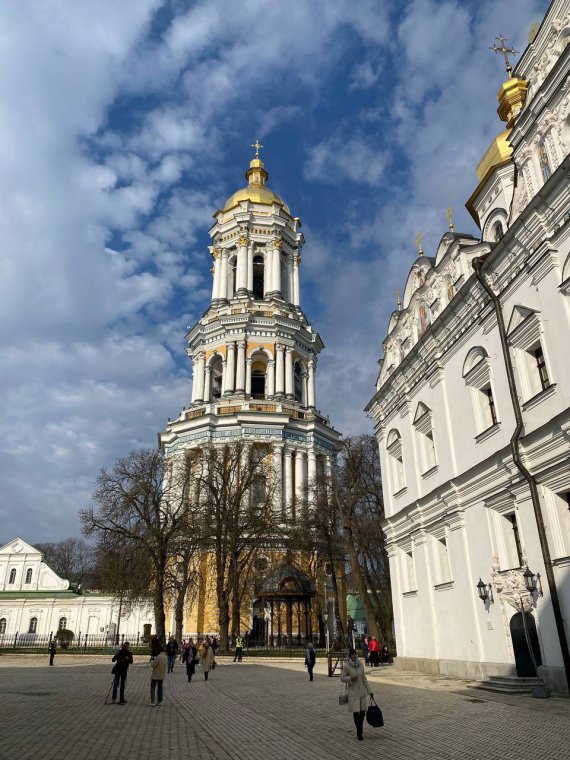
[
  {"x": 257, "y": 145},
  {"x": 449, "y": 215},
  {"x": 419, "y": 238},
  {"x": 398, "y": 300},
  {"x": 505, "y": 51}
]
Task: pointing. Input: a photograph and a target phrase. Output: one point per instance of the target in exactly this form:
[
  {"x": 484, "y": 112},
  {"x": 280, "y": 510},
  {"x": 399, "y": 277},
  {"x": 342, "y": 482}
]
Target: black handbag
[{"x": 374, "y": 715}]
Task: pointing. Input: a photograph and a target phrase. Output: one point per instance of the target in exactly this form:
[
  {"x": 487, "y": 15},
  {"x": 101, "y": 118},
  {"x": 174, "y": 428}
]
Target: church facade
[
  {"x": 472, "y": 404},
  {"x": 254, "y": 357}
]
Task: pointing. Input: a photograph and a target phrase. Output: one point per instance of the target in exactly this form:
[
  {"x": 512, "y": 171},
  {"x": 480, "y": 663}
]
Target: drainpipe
[{"x": 517, "y": 459}]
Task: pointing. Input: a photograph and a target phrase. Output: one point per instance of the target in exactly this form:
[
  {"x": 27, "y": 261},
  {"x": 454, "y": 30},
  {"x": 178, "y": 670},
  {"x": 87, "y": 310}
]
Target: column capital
[
  {"x": 276, "y": 243},
  {"x": 312, "y": 362},
  {"x": 297, "y": 259},
  {"x": 243, "y": 240},
  {"x": 311, "y": 454},
  {"x": 240, "y": 343},
  {"x": 248, "y": 360},
  {"x": 289, "y": 349},
  {"x": 278, "y": 445},
  {"x": 270, "y": 362},
  {"x": 216, "y": 252}
]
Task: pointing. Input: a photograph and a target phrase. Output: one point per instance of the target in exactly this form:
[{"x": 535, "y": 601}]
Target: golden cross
[
  {"x": 506, "y": 51},
  {"x": 257, "y": 145},
  {"x": 449, "y": 215}
]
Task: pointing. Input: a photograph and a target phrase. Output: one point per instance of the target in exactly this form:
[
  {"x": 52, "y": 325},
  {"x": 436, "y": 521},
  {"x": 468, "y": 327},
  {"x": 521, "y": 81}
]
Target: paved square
[{"x": 261, "y": 711}]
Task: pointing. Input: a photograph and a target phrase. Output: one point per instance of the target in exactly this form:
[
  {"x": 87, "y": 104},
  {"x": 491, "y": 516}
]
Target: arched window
[
  {"x": 258, "y": 275},
  {"x": 216, "y": 377},
  {"x": 33, "y": 625},
  {"x": 477, "y": 375},
  {"x": 258, "y": 383},
  {"x": 497, "y": 232},
  {"x": 62, "y": 623},
  {"x": 394, "y": 449},
  {"x": 12, "y": 575},
  {"x": 3, "y": 624},
  {"x": 298, "y": 382},
  {"x": 29, "y": 575},
  {"x": 232, "y": 264},
  {"x": 424, "y": 429}
]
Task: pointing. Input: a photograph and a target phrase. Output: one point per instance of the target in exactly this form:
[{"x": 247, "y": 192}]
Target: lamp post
[{"x": 532, "y": 582}]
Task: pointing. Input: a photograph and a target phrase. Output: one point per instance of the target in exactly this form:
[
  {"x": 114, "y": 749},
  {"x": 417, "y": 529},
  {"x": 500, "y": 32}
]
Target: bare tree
[
  {"x": 145, "y": 501},
  {"x": 71, "y": 558},
  {"x": 357, "y": 492},
  {"x": 236, "y": 489}
]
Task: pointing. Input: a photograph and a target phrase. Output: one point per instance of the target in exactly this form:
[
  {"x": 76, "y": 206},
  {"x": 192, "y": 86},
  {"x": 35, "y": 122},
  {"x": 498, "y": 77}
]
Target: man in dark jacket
[
  {"x": 310, "y": 659},
  {"x": 52, "y": 650},
  {"x": 171, "y": 652},
  {"x": 122, "y": 660}
]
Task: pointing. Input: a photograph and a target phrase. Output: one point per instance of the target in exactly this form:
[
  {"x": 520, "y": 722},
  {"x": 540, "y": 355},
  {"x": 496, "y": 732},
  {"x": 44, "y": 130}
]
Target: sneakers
[
  {"x": 123, "y": 702},
  {"x": 159, "y": 704},
  {"x": 152, "y": 704}
]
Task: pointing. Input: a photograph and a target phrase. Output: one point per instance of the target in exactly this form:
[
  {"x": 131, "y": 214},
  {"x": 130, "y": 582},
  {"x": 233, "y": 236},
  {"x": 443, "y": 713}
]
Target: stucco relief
[{"x": 512, "y": 590}]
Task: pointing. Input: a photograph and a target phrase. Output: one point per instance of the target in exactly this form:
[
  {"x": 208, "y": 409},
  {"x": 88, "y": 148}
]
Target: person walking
[
  {"x": 358, "y": 690},
  {"x": 206, "y": 658},
  {"x": 158, "y": 664},
  {"x": 189, "y": 657},
  {"x": 171, "y": 651},
  {"x": 123, "y": 658},
  {"x": 239, "y": 649},
  {"x": 374, "y": 649},
  {"x": 365, "y": 650},
  {"x": 310, "y": 659},
  {"x": 52, "y": 649}
]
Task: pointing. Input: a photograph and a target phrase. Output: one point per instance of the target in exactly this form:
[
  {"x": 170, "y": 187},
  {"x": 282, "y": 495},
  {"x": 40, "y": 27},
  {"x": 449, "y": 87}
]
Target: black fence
[{"x": 87, "y": 643}]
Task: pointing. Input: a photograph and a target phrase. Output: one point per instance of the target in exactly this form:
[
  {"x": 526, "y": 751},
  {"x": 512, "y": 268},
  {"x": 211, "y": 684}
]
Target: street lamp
[
  {"x": 532, "y": 582},
  {"x": 485, "y": 592}
]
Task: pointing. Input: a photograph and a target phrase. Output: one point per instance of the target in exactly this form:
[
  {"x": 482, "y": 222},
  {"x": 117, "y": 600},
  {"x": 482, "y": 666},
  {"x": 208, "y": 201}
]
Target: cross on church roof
[
  {"x": 257, "y": 145},
  {"x": 506, "y": 51}
]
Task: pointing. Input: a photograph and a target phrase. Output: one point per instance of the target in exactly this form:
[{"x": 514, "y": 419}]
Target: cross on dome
[
  {"x": 505, "y": 51},
  {"x": 257, "y": 145}
]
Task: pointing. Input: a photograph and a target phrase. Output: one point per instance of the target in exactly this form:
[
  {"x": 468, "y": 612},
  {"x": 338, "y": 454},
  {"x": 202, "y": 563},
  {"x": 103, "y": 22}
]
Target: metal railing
[{"x": 82, "y": 643}]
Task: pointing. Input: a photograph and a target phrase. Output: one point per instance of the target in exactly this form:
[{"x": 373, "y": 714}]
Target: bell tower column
[
  {"x": 248, "y": 376},
  {"x": 311, "y": 384},
  {"x": 240, "y": 368},
  {"x": 276, "y": 267},
  {"x": 217, "y": 273},
  {"x": 289, "y": 453},
  {"x": 241, "y": 268},
  {"x": 250, "y": 269},
  {"x": 270, "y": 389},
  {"x": 230, "y": 369},
  {"x": 207, "y": 382},
  {"x": 223, "y": 285},
  {"x": 279, "y": 389},
  {"x": 296, "y": 292},
  {"x": 267, "y": 270},
  {"x": 289, "y": 372},
  {"x": 200, "y": 361}
]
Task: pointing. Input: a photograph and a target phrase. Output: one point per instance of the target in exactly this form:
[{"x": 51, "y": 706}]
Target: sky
[{"x": 125, "y": 126}]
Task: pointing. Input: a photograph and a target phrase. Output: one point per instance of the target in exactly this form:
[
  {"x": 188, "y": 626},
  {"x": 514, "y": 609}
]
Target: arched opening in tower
[
  {"x": 258, "y": 273},
  {"x": 258, "y": 383},
  {"x": 216, "y": 377}
]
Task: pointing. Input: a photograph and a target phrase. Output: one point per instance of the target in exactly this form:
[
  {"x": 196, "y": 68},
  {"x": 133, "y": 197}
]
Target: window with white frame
[
  {"x": 525, "y": 336},
  {"x": 558, "y": 505},
  {"x": 513, "y": 555},
  {"x": 441, "y": 558},
  {"x": 409, "y": 570},
  {"x": 33, "y": 625},
  {"x": 424, "y": 431},
  {"x": 394, "y": 449},
  {"x": 12, "y": 575},
  {"x": 3, "y": 625},
  {"x": 477, "y": 376}
]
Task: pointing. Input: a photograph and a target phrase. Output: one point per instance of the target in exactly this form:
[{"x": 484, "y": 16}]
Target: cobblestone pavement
[{"x": 262, "y": 711}]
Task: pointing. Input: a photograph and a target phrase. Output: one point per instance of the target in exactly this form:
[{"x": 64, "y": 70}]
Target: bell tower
[{"x": 254, "y": 353}]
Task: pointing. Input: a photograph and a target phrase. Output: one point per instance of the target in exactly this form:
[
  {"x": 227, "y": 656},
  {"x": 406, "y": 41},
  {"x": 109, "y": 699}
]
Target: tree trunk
[
  {"x": 179, "y": 612},
  {"x": 159, "y": 615},
  {"x": 223, "y": 623},
  {"x": 369, "y": 611}
]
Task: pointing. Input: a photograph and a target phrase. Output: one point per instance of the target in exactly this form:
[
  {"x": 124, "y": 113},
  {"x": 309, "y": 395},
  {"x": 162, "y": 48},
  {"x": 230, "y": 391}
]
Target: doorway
[{"x": 524, "y": 661}]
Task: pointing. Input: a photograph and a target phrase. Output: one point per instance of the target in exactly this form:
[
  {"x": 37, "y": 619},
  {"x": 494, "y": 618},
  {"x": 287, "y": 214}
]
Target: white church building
[
  {"x": 35, "y": 602},
  {"x": 472, "y": 404}
]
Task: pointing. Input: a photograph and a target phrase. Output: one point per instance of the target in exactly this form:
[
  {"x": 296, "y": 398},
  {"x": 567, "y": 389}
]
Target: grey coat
[{"x": 359, "y": 690}]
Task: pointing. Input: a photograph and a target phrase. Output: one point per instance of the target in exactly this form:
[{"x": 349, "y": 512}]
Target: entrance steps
[{"x": 510, "y": 684}]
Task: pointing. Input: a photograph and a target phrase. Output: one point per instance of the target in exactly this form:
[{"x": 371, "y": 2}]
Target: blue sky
[{"x": 124, "y": 126}]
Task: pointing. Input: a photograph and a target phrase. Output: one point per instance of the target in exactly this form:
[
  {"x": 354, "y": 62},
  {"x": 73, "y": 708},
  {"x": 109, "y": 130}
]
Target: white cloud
[{"x": 334, "y": 160}]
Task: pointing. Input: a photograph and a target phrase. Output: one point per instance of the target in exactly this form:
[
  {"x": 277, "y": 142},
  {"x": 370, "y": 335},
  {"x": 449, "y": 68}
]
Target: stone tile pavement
[{"x": 261, "y": 711}]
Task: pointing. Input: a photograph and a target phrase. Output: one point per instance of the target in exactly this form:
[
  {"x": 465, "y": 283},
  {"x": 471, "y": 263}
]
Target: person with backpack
[
  {"x": 358, "y": 690},
  {"x": 310, "y": 659},
  {"x": 158, "y": 664},
  {"x": 122, "y": 659},
  {"x": 190, "y": 657}
]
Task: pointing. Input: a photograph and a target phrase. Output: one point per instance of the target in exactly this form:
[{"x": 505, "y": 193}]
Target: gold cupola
[{"x": 255, "y": 191}]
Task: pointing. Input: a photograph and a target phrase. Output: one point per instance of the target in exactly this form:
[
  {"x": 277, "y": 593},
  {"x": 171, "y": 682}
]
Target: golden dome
[
  {"x": 497, "y": 153},
  {"x": 255, "y": 191},
  {"x": 511, "y": 97}
]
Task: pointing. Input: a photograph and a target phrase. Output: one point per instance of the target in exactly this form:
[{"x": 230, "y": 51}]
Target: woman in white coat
[
  {"x": 358, "y": 689},
  {"x": 206, "y": 658}
]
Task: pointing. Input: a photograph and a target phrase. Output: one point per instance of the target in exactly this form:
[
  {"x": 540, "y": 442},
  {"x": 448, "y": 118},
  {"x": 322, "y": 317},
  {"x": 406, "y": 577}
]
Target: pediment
[
  {"x": 421, "y": 410},
  {"x": 518, "y": 315},
  {"x": 19, "y": 546}
]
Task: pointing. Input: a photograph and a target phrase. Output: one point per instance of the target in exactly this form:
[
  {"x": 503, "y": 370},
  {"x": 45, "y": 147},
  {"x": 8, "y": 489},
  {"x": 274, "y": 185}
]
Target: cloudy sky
[{"x": 125, "y": 125}]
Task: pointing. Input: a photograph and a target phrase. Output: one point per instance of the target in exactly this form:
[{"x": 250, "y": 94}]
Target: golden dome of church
[{"x": 255, "y": 191}]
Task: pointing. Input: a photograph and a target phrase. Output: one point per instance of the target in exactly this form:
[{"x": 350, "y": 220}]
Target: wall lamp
[
  {"x": 485, "y": 592},
  {"x": 532, "y": 582}
]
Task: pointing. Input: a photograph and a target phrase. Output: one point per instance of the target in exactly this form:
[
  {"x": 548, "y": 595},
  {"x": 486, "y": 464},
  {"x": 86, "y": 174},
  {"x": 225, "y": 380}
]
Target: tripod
[{"x": 110, "y": 687}]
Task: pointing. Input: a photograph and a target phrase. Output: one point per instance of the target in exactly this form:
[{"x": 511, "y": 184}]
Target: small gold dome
[
  {"x": 497, "y": 153},
  {"x": 256, "y": 192},
  {"x": 511, "y": 97}
]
